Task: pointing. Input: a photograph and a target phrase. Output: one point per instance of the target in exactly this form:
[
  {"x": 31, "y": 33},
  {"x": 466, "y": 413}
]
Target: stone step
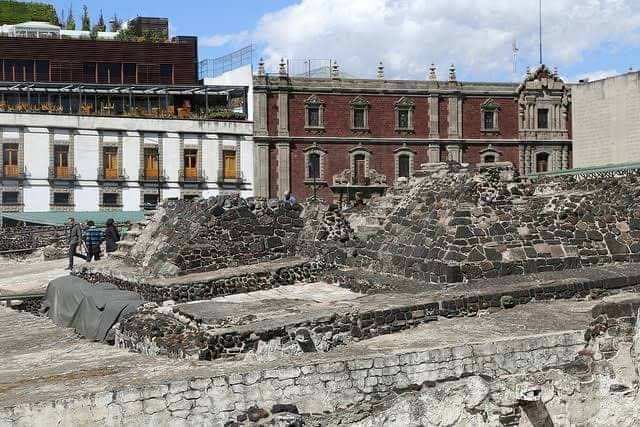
[
  {"x": 119, "y": 254},
  {"x": 134, "y": 234},
  {"x": 126, "y": 243}
]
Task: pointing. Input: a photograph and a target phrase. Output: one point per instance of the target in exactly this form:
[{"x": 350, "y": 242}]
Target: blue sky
[{"x": 590, "y": 38}]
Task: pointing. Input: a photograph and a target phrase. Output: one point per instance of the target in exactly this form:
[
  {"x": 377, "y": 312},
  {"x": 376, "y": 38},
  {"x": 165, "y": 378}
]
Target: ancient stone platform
[{"x": 49, "y": 375}]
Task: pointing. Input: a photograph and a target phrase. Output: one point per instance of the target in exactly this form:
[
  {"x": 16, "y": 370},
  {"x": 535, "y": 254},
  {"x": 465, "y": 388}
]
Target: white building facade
[{"x": 60, "y": 162}]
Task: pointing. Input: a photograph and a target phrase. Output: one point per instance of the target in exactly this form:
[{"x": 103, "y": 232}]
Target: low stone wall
[
  {"x": 313, "y": 388},
  {"x": 30, "y": 304},
  {"x": 305, "y": 271},
  {"x": 154, "y": 333},
  {"x": 25, "y": 238}
]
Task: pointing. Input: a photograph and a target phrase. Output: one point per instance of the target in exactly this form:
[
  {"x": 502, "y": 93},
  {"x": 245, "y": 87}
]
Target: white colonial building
[{"x": 60, "y": 159}]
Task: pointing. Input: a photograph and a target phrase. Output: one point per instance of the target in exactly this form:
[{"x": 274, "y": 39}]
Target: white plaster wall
[
  {"x": 36, "y": 156},
  {"x": 131, "y": 199},
  {"x": 86, "y": 198},
  {"x": 210, "y": 158},
  {"x": 246, "y": 163},
  {"x": 85, "y": 151},
  {"x": 171, "y": 156},
  {"x": 606, "y": 121},
  {"x": 36, "y": 198},
  {"x": 131, "y": 155},
  {"x": 10, "y": 132}
]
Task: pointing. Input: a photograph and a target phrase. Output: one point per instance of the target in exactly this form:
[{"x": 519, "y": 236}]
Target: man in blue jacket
[{"x": 93, "y": 237}]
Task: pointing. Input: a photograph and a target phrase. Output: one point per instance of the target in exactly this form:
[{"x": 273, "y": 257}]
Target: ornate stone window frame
[
  {"x": 315, "y": 149},
  {"x": 403, "y": 151},
  {"x": 102, "y": 144},
  {"x": 61, "y": 208},
  {"x": 14, "y": 207},
  {"x": 490, "y": 106},
  {"x": 229, "y": 146},
  {"x": 359, "y": 103},
  {"x": 404, "y": 104},
  {"x": 70, "y": 143},
  {"x": 148, "y": 190},
  {"x": 490, "y": 151},
  {"x": 110, "y": 189},
  {"x": 190, "y": 192},
  {"x": 197, "y": 147},
  {"x": 157, "y": 146},
  {"x": 19, "y": 141},
  {"x": 314, "y": 102}
]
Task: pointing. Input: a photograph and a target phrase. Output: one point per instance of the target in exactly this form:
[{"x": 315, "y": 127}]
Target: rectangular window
[
  {"x": 110, "y": 161},
  {"x": 403, "y": 119},
  {"x": 166, "y": 74},
  {"x": 129, "y": 73},
  {"x": 42, "y": 71},
  {"x": 229, "y": 164},
  {"x": 10, "y": 197},
  {"x": 61, "y": 161},
  {"x": 110, "y": 199},
  {"x": 10, "y": 159},
  {"x": 89, "y": 72},
  {"x": 403, "y": 166},
  {"x": 358, "y": 118},
  {"x": 488, "y": 120},
  {"x": 543, "y": 118},
  {"x": 313, "y": 118},
  {"x": 314, "y": 166},
  {"x": 61, "y": 199},
  {"x": 190, "y": 163},
  {"x": 149, "y": 201},
  {"x": 151, "y": 163}
]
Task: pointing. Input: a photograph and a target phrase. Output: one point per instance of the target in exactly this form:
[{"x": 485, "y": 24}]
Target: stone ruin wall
[
  {"x": 570, "y": 378},
  {"x": 216, "y": 233},
  {"x": 461, "y": 225}
]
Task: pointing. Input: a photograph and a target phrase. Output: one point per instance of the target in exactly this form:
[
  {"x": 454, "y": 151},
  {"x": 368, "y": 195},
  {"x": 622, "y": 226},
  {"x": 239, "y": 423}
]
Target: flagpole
[{"x": 540, "y": 27}]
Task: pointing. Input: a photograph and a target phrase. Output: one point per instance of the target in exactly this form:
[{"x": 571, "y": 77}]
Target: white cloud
[
  {"x": 407, "y": 35},
  {"x": 225, "y": 39}
]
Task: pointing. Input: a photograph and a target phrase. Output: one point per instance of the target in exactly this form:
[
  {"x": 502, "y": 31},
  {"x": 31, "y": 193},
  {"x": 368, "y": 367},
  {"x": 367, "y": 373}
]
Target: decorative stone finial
[
  {"x": 528, "y": 71},
  {"x": 380, "y": 72},
  {"x": 555, "y": 71},
  {"x": 432, "y": 72},
  {"x": 335, "y": 70},
  {"x": 261, "y": 67},
  {"x": 452, "y": 73},
  {"x": 283, "y": 68}
]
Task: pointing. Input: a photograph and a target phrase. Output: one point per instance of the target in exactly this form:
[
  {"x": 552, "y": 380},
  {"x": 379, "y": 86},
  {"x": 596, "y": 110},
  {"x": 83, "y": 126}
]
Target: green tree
[
  {"x": 100, "y": 26},
  {"x": 86, "y": 21},
  {"x": 71, "y": 22}
]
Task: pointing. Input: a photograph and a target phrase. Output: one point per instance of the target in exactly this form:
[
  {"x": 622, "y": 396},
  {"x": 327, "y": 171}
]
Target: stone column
[
  {"x": 434, "y": 131},
  {"x": 527, "y": 160},
  {"x": 283, "y": 114},
  {"x": 261, "y": 169},
  {"x": 454, "y": 131},
  {"x": 260, "y": 114},
  {"x": 284, "y": 168},
  {"x": 434, "y": 153},
  {"x": 565, "y": 157},
  {"x": 454, "y": 153},
  {"x": 521, "y": 160}
]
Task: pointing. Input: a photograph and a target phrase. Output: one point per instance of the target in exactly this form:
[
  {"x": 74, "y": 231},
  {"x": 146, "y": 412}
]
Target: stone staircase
[
  {"x": 369, "y": 220},
  {"x": 130, "y": 239}
]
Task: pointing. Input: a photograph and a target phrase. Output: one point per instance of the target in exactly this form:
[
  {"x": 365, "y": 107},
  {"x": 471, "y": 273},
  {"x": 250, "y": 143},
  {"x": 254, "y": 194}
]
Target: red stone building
[{"x": 344, "y": 136}]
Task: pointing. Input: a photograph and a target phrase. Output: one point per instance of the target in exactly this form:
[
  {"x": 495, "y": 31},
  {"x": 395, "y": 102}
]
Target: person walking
[
  {"x": 289, "y": 198},
  {"x": 93, "y": 237},
  {"x": 111, "y": 236},
  {"x": 74, "y": 239}
]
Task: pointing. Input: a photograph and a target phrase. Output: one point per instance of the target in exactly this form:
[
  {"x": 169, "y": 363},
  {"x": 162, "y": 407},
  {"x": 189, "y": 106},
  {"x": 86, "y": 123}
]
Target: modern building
[
  {"x": 606, "y": 128},
  {"x": 339, "y": 136},
  {"x": 91, "y": 125}
]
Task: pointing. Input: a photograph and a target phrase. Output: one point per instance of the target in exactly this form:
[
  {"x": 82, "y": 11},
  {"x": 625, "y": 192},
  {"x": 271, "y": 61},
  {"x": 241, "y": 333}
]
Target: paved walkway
[{"x": 31, "y": 275}]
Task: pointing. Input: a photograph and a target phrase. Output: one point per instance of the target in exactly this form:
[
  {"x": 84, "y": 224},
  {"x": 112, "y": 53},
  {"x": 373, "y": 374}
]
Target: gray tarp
[{"x": 89, "y": 309}]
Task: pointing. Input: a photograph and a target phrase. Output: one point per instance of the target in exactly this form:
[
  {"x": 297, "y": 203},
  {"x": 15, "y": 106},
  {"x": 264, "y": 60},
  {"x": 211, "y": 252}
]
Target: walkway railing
[{"x": 593, "y": 171}]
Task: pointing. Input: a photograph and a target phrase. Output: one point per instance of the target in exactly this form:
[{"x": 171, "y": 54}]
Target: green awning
[{"x": 60, "y": 218}]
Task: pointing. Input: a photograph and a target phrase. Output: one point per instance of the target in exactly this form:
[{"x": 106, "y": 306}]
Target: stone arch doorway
[{"x": 542, "y": 162}]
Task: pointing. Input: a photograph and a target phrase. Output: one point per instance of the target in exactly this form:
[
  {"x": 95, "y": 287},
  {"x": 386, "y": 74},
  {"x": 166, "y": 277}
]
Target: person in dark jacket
[
  {"x": 74, "y": 239},
  {"x": 93, "y": 237},
  {"x": 111, "y": 236}
]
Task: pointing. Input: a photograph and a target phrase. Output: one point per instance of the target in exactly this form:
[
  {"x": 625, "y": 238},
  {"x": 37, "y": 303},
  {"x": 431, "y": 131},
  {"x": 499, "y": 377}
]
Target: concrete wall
[
  {"x": 606, "y": 128},
  {"x": 37, "y": 131}
]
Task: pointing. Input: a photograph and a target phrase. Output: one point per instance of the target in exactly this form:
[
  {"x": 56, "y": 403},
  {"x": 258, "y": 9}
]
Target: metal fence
[
  {"x": 217, "y": 66},
  {"x": 309, "y": 68}
]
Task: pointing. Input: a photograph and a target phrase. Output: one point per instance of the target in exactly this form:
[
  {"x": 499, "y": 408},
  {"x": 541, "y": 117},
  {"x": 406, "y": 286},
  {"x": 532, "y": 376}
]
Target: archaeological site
[{"x": 463, "y": 296}]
